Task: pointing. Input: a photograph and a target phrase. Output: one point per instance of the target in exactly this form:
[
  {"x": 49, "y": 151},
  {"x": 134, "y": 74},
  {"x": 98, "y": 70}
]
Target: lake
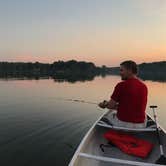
[{"x": 39, "y": 125}]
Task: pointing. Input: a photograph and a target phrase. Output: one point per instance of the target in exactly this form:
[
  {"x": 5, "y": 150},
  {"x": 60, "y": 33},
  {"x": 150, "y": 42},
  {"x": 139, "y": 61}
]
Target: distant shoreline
[
  {"x": 70, "y": 70},
  {"x": 76, "y": 70},
  {"x": 155, "y": 71}
]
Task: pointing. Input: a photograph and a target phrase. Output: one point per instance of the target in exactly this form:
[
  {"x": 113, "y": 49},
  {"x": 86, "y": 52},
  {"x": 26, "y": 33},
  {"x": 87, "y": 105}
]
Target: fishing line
[{"x": 77, "y": 100}]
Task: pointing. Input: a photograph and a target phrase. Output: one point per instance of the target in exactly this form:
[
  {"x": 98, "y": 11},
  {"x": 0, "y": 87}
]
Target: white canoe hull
[{"x": 88, "y": 152}]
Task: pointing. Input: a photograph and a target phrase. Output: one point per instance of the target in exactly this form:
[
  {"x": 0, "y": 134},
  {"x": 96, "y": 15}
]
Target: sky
[{"x": 105, "y": 32}]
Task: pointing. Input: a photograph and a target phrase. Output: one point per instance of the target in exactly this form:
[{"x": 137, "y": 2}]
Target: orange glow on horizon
[
  {"x": 100, "y": 58},
  {"x": 99, "y": 61}
]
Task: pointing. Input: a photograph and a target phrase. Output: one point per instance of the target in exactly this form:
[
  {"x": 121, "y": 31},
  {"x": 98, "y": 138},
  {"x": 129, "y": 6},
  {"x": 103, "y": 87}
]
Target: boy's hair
[{"x": 130, "y": 65}]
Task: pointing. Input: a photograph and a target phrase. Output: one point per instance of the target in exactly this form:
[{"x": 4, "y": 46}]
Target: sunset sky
[{"x": 105, "y": 32}]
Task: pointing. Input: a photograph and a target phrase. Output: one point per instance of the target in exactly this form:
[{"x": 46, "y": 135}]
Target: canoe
[{"x": 89, "y": 152}]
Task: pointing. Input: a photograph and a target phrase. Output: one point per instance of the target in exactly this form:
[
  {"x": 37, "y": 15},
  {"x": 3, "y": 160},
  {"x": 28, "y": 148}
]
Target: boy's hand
[{"x": 103, "y": 104}]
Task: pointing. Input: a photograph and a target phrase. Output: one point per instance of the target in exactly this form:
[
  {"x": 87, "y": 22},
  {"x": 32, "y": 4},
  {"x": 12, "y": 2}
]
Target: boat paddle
[{"x": 162, "y": 159}]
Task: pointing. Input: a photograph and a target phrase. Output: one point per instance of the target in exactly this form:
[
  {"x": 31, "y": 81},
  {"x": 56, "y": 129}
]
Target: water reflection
[
  {"x": 73, "y": 78},
  {"x": 160, "y": 77},
  {"x": 57, "y": 78}
]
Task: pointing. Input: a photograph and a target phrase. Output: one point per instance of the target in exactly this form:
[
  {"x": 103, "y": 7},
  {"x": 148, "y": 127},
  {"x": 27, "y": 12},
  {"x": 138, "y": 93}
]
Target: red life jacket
[{"x": 129, "y": 144}]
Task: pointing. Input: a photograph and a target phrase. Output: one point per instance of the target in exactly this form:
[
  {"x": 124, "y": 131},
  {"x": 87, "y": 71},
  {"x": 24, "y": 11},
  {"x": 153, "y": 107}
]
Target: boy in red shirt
[{"x": 129, "y": 98}]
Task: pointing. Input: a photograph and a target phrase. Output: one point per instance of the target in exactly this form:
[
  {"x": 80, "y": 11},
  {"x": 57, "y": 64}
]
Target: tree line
[
  {"x": 58, "y": 69},
  {"x": 148, "y": 71}
]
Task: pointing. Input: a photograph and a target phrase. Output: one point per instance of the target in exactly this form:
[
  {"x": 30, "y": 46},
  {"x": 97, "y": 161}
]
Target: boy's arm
[{"x": 112, "y": 104}]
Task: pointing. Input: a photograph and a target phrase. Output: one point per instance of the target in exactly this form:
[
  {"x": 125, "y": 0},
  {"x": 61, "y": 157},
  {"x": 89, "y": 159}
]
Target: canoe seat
[
  {"x": 104, "y": 122},
  {"x": 115, "y": 160}
]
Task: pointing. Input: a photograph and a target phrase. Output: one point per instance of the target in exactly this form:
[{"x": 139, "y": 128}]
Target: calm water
[{"x": 37, "y": 127}]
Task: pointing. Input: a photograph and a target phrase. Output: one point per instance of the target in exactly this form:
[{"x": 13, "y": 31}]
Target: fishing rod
[{"x": 77, "y": 100}]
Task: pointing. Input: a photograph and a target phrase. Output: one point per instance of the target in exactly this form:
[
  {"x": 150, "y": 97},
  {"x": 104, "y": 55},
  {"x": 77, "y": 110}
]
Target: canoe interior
[{"x": 95, "y": 138}]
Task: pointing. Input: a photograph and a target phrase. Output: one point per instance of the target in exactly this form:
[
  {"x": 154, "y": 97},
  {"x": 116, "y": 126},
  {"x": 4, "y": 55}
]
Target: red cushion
[{"x": 129, "y": 144}]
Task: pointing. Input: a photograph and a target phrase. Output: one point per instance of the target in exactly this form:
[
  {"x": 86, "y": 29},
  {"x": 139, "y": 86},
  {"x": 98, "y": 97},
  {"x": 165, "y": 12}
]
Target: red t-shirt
[{"x": 131, "y": 95}]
